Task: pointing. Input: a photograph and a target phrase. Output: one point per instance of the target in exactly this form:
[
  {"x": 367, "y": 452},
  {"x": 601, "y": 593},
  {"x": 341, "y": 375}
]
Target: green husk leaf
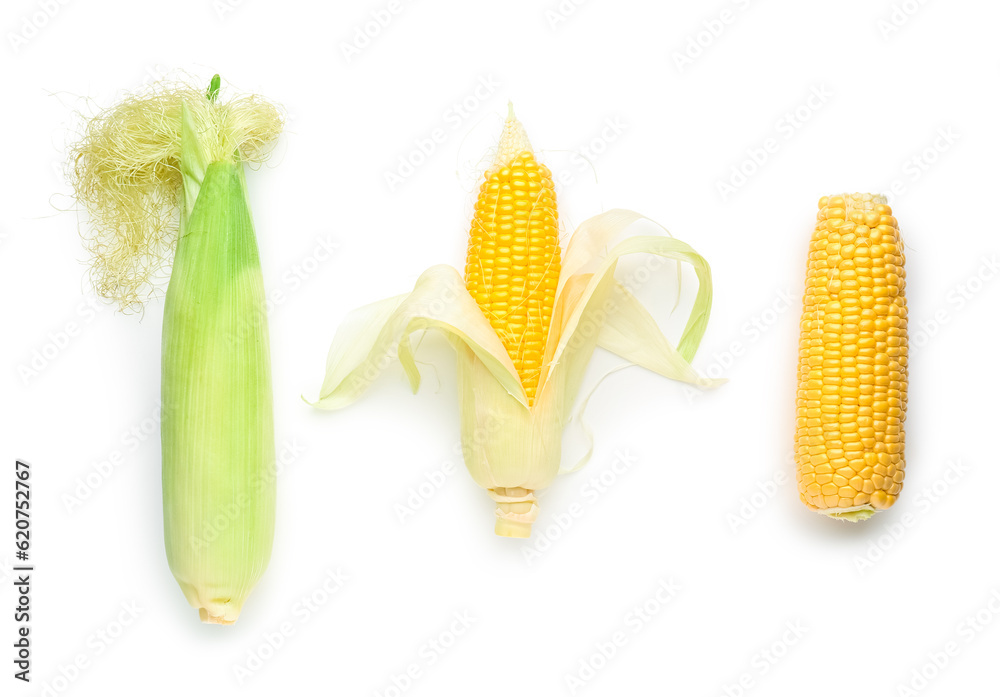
[
  {"x": 217, "y": 423},
  {"x": 213, "y": 88},
  {"x": 193, "y": 163}
]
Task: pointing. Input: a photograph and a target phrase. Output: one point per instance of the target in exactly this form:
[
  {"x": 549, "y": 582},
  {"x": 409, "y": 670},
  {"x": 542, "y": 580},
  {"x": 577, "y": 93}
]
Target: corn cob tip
[
  {"x": 516, "y": 510},
  {"x": 513, "y": 141},
  {"x": 854, "y": 201}
]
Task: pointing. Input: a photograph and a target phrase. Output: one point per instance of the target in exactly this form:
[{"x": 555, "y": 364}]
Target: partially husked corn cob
[
  {"x": 852, "y": 361},
  {"x": 524, "y": 322},
  {"x": 512, "y": 267}
]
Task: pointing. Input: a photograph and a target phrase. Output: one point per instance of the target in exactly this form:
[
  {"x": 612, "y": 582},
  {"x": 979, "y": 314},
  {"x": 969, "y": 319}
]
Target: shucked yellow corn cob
[
  {"x": 512, "y": 267},
  {"x": 852, "y": 361}
]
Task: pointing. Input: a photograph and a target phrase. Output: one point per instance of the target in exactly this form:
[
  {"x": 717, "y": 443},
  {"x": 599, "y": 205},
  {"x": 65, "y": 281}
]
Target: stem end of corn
[
  {"x": 212, "y": 619},
  {"x": 214, "y": 605},
  {"x": 512, "y": 528},
  {"x": 516, "y": 511},
  {"x": 854, "y": 515}
]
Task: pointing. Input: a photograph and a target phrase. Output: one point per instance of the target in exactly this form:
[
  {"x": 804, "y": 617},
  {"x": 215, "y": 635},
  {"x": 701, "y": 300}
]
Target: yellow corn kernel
[
  {"x": 512, "y": 267},
  {"x": 855, "y": 302}
]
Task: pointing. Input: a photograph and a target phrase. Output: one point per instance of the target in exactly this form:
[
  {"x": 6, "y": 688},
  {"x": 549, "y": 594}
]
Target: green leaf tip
[{"x": 213, "y": 88}]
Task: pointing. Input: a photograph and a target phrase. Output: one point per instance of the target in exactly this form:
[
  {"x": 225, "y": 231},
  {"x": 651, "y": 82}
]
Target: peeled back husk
[{"x": 510, "y": 449}]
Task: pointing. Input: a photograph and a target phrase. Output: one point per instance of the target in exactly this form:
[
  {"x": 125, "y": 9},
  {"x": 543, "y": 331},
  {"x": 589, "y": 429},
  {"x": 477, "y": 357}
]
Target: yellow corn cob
[
  {"x": 512, "y": 267},
  {"x": 852, "y": 361}
]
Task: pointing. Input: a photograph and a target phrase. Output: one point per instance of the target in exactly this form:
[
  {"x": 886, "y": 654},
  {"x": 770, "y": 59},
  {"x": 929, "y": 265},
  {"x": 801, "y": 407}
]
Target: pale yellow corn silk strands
[
  {"x": 512, "y": 444},
  {"x": 160, "y": 176},
  {"x": 125, "y": 172}
]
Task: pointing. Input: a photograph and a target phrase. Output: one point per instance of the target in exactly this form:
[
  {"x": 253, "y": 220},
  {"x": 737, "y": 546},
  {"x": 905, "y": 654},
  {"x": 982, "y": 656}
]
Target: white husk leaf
[{"x": 370, "y": 336}]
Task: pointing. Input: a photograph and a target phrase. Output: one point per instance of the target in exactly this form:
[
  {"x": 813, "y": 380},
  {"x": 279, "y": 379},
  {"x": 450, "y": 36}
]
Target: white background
[{"x": 699, "y": 458}]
